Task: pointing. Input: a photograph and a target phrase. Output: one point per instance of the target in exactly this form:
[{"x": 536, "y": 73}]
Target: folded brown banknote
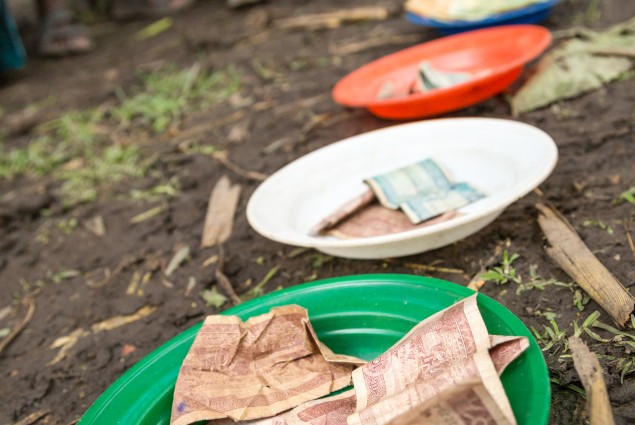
[
  {"x": 445, "y": 371},
  {"x": 256, "y": 369}
]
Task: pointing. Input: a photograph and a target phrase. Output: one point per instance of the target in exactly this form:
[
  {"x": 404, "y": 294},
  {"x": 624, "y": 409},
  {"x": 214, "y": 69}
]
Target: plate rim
[
  {"x": 101, "y": 403},
  {"x": 522, "y": 59},
  {"x": 549, "y": 162}
]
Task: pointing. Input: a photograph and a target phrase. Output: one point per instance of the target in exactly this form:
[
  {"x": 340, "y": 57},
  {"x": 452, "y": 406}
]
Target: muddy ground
[{"x": 74, "y": 278}]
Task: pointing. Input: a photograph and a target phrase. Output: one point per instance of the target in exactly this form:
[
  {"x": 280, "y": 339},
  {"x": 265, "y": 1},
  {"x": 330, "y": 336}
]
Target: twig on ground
[
  {"x": 575, "y": 258},
  {"x": 208, "y": 126},
  {"x": 629, "y": 237},
  {"x": 588, "y": 367},
  {"x": 30, "y": 304},
  {"x": 222, "y": 280},
  {"x": 334, "y": 19},
  {"x": 66, "y": 342},
  {"x": 615, "y": 51},
  {"x": 360, "y": 46},
  {"x": 304, "y": 103},
  {"x": 146, "y": 215},
  {"x": 427, "y": 267},
  {"x": 33, "y": 417},
  {"x": 248, "y": 174}
]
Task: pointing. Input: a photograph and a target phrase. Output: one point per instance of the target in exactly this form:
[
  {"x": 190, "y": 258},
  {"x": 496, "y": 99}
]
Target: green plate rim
[{"x": 101, "y": 404}]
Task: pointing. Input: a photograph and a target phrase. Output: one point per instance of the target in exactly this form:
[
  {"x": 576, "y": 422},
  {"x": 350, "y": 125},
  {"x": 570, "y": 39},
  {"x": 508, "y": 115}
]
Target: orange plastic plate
[{"x": 494, "y": 56}]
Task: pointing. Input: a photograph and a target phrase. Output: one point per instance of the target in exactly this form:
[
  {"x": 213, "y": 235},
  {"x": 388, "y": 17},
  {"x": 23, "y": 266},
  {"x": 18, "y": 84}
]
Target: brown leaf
[
  {"x": 219, "y": 219},
  {"x": 588, "y": 367},
  {"x": 573, "y": 256}
]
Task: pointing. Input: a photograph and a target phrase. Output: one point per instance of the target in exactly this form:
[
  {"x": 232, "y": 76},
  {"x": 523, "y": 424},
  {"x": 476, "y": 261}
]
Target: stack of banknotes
[
  {"x": 272, "y": 370},
  {"x": 413, "y": 196},
  {"x": 464, "y": 10}
]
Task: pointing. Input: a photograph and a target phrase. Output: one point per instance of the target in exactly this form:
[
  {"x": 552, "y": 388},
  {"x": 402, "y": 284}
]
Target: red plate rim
[{"x": 522, "y": 59}]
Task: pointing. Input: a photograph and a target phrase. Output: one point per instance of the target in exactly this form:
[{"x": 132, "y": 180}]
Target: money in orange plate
[{"x": 493, "y": 58}]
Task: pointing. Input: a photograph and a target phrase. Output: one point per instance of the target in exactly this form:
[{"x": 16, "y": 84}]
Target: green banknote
[
  {"x": 430, "y": 78},
  {"x": 424, "y": 207},
  {"x": 395, "y": 187},
  {"x": 421, "y": 190}
]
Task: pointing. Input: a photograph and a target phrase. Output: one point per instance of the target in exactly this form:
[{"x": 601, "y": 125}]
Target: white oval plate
[{"x": 505, "y": 159}]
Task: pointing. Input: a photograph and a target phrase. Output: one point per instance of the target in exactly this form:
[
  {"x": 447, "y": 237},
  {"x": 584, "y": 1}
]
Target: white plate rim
[{"x": 315, "y": 242}]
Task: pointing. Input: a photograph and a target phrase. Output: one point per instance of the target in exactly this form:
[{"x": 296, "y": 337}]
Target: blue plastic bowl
[{"x": 531, "y": 14}]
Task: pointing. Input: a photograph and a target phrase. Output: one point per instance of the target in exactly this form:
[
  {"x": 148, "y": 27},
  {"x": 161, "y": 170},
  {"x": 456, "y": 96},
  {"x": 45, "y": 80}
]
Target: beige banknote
[
  {"x": 376, "y": 220},
  {"x": 443, "y": 372},
  {"x": 349, "y": 209},
  {"x": 444, "y": 351},
  {"x": 256, "y": 369}
]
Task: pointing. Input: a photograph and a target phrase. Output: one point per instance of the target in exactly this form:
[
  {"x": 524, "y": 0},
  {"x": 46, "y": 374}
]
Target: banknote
[
  {"x": 465, "y": 10},
  {"x": 397, "y": 186},
  {"x": 375, "y": 220},
  {"x": 424, "y": 207},
  {"x": 331, "y": 410},
  {"x": 449, "y": 349},
  {"x": 430, "y": 78},
  {"x": 445, "y": 370},
  {"x": 343, "y": 212},
  {"x": 422, "y": 191},
  {"x": 468, "y": 403},
  {"x": 256, "y": 369}
]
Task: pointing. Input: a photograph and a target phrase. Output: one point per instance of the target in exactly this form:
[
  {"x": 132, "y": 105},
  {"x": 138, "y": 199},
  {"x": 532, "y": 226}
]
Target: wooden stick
[
  {"x": 360, "y": 46},
  {"x": 588, "y": 367},
  {"x": 629, "y": 238},
  {"x": 15, "y": 332},
  {"x": 33, "y": 417},
  {"x": 221, "y": 208},
  {"x": 222, "y": 280},
  {"x": 248, "y": 174},
  {"x": 614, "y": 51},
  {"x": 334, "y": 19},
  {"x": 430, "y": 268},
  {"x": 573, "y": 256}
]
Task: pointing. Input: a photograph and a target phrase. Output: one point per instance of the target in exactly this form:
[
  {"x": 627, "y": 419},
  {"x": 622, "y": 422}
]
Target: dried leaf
[
  {"x": 588, "y": 367},
  {"x": 96, "y": 225},
  {"x": 570, "y": 252},
  {"x": 118, "y": 321},
  {"x": 578, "y": 66},
  {"x": 178, "y": 259},
  {"x": 221, "y": 208},
  {"x": 191, "y": 283},
  {"x": 147, "y": 215},
  {"x": 155, "y": 28}
]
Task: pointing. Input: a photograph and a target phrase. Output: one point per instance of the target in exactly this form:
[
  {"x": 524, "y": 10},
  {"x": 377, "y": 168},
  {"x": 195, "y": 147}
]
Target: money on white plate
[
  {"x": 375, "y": 220},
  {"x": 426, "y": 206},
  {"x": 395, "y": 187},
  {"x": 422, "y": 190}
]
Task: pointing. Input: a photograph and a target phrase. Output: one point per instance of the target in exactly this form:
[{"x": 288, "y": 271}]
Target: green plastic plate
[{"x": 357, "y": 315}]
